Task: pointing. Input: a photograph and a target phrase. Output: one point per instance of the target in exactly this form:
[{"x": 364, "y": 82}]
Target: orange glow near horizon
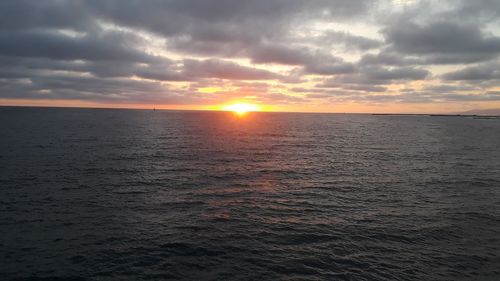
[
  {"x": 242, "y": 108},
  {"x": 445, "y": 108}
]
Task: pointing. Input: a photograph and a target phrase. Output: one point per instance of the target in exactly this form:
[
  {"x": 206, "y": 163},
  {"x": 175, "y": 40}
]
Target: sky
[{"x": 393, "y": 56}]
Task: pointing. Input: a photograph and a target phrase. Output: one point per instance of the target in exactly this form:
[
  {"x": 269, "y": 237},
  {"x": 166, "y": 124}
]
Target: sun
[{"x": 242, "y": 108}]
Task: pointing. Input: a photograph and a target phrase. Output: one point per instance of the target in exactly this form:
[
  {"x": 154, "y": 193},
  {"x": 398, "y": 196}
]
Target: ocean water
[{"x": 89, "y": 194}]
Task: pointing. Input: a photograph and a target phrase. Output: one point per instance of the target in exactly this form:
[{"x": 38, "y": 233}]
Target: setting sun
[{"x": 242, "y": 108}]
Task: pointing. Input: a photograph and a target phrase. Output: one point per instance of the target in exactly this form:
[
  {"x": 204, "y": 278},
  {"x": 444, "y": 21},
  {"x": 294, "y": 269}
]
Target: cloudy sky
[{"x": 287, "y": 55}]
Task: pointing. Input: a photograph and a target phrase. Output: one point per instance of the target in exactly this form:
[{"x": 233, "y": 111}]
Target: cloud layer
[{"x": 279, "y": 52}]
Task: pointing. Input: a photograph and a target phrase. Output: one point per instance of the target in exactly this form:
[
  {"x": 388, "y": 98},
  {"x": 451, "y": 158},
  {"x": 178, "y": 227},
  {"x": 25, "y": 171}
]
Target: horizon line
[{"x": 215, "y": 110}]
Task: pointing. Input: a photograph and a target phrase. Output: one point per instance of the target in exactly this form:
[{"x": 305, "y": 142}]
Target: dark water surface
[{"x": 142, "y": 195}]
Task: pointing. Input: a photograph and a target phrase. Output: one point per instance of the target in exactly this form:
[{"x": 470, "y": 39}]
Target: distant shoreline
[{"x": 476, "y": 116}]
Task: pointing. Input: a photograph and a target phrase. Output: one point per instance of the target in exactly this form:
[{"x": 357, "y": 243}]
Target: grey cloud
[
  {"x": 225, "y": 70},
  {"x": 257, "y": 87},
  {"x": 312, "y": 62},
  {"x": 280, "y": 54},
  {"x": 96, "y": 89},
  {"x": 109, "y": 46},
  {"x": 457, "y": 58},
  {"x": 402, "y": 73},
  {"x": 318, "y": 96},
  {"x": 334, "y": 83},
  {"x": 226, "y": 28},
  {"x": 488, "y": 96},
  {"x": 410, "y": 97},
  {"x": 161, "y": 69},
  {"x": 329, "y": 67},
  {"x": 190, "y": 46},
  {"x": 488, "y": 71},
  {"x": 423, "y": 97},
  {"x": 92, "y": 84},
  {"x": 450, "y": 88},
  {"x": 371, "y": 79},
  {"x": 257, "y": 18},
  {"x": 91, "y": 49},
  {"x": 477, "y": 11},
  {"x": 444, "y": 42},
  {"x": 387, "y": 58},
  {"x": 81, "y": 87},
  {"x": 16, "y": 15},
  {"x": 349, "y": 40},
  {"x": 279, "y": 97}
]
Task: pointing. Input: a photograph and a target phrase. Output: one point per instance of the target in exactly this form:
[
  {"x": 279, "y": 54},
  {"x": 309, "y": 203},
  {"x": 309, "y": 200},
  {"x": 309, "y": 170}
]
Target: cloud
[
  {"x": 280, "y": 98},
  {"x": 443, "y": 42},
  {"x": 213, "y": 68},
  {"x": 387, "y": 58},
  {"x": 349, "y": 41},
  {"x": 482, "y": 11},
  {"x": 280, "y": 54},
  {"x": 426, "y": 97},
  {"x": 370, "y": 79},
  {"x": 207, "y": 19},
  {"x": 282, "y": 51},
  {"x": 108, "y": 46},
  {"x": 331, "y": 67},
  {"x": 401, "y": 73},
  {"x": 349, "y": 87},
  {"x": 22, "y": 15},
  {"x": 449, "y": 88},
  {"x": 488, "y": 71}
]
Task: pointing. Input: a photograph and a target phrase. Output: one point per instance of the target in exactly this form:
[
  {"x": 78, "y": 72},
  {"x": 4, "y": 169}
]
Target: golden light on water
[{"x": 242, "y": 108}]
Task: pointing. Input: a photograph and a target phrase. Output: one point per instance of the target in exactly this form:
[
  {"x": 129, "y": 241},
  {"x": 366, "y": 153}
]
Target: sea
[{"x": 111, "y": 194}]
